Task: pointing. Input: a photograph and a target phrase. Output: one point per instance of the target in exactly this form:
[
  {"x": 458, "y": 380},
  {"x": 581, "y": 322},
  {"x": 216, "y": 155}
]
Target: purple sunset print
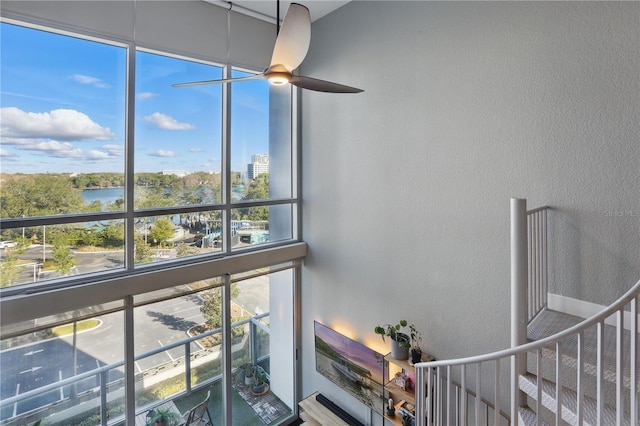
[{"x": 353, "y": 351}]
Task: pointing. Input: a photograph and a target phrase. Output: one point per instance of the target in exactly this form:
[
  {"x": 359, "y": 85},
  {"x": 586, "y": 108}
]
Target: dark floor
[{"x": 243, "y": 414}]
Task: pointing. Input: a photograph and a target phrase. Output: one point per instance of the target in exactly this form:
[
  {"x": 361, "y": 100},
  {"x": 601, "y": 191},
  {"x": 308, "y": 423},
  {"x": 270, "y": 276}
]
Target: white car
[{"x": 7, "y": 244}]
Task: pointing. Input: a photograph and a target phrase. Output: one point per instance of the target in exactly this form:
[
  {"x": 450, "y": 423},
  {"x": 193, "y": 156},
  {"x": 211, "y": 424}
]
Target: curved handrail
[{"x": 616, "y": 306}]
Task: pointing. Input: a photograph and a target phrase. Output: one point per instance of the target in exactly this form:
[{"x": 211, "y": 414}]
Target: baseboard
[{"x": 582, "y": 309}]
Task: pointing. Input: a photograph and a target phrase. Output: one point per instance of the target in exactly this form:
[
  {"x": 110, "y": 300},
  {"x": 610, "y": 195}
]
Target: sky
[{"x": 63, "y": 107}]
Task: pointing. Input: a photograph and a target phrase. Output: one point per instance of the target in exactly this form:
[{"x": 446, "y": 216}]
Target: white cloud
[
  {"x": 163, "y": 153},
  {"x": 164, "y": 122},
  {"x": 94, "y": 154},
  {"x": 4, "y": 153},
  {"x": 146, "y": 95},
  {"x": 92, "y": 81},
  {"x": 195, "y": 149},
  {"x": 60, "y": 124},
  {"x": 66, "y": 150},
  {"x": 55, "y": 149},
  {"x": 113, "y": 150}
]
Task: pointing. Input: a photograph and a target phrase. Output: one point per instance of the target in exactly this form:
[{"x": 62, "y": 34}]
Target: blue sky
[{"x": 62, "y": 109}]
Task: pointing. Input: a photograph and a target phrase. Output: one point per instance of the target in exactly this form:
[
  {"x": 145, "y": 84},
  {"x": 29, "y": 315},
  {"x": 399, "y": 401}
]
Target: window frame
[{"x": 131, "y": 270}]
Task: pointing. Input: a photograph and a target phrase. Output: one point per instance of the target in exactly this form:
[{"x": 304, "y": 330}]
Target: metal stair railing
[
  {"x": 537, "y": 284},
  {"x": 439, "y": 403},
  {"x": 440, "y": 400}
]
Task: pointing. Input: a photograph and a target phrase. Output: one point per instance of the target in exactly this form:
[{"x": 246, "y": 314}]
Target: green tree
[
  {"x": 258, "y": 190},
  {"x": 142, "y": 250},
  {"x": 62, "y": 255},
  {"x": 40, "y": 195},
  {"x": 90, "y": 238},
  {"x": 153, "y": 197},
  {"x": 161, "y": 231},
  {"x": 183, "y": 250},
  {"x": 113, "y": 235},
  {"x": 211, "y": 307},
  {"x": 9, "y": 269}
]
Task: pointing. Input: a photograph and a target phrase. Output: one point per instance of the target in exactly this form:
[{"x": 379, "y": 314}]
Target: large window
[
  {"x": 70, "y": 368},
  {"x": 90, "y": 186},
  {"x": 133, "y": 214}
]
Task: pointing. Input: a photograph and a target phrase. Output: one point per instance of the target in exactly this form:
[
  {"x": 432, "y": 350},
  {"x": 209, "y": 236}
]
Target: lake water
[
  {"x": 109, "y": 195},
  {"x": 104, "y": 195},
  {"x": 371, "y": 395}
]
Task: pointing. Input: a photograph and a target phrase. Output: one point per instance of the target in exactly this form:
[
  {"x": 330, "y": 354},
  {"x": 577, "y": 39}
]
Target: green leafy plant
[
  {"x": 394, "y": 332},
  {"x": 261, "y": 375},
  {"x": 164, "y": 416},
  {"x": 416, "y": 337}
]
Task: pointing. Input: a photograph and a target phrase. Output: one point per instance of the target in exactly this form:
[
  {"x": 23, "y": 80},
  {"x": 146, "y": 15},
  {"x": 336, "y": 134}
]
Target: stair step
[
  {"x": 552, "y": 322},
  {"x": 528, "y": 417},
  {"x": 528, "y": 384}
]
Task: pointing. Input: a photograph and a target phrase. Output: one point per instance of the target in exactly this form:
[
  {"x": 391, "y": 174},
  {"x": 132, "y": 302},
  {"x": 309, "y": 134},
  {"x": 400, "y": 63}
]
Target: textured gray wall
[{"x": 407, "y": 185}]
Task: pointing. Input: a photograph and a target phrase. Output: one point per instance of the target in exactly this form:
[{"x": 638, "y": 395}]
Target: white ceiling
[{"x": 266, "y": 9}]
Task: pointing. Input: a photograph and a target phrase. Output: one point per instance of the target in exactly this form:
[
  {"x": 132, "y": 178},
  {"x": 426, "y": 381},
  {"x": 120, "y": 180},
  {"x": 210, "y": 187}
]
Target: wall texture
[{"x": 466, "y": 104}]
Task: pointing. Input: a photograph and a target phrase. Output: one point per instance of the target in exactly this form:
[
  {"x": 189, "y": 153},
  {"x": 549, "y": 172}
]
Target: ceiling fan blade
[
  {"x": 321, "y": 85},
  {"x": 293, "y": 39},
  {"x": 224, "y": 80}
]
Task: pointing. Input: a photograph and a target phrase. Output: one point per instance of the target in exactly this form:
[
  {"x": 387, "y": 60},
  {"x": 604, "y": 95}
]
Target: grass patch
[{"x": 67, "y": 329}]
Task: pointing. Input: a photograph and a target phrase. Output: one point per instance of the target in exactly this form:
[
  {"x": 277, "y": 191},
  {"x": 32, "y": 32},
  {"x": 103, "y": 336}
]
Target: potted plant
[
  {"x": 416, "y": 339},
  {"x": 400, "y": 342},
  {"x": 163, "y": 416},
  {"x": 260, "y": 385},
  {"x": 249, "y": 374}
]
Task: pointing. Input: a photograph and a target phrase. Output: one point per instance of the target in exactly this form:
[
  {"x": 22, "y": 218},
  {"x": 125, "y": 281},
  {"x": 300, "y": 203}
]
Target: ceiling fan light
[{"x": 278, "y": 79}]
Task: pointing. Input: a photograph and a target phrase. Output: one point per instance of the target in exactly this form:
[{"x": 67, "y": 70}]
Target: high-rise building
[{"x": 259, "y": 164}]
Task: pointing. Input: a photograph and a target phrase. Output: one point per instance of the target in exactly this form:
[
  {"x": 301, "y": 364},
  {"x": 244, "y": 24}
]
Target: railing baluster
[
  {"x": 599, "y": 376},
  {"x": 530, "y": 280},
  {"x": 496, "y": 409},
  {"x": 463, "y": 392},
  {"x": 430, "y": 396},
  {"x": 536, "y": 257},
  {"x": 439, "y": 396},
  {"x": 579, "y": 378},
  {"x": 619, "y": 365},
  {"x": 544, "y": 286},
  {"x": 633, "y": 352},
  {"x": 539, "y": 387},
  {"x": 448, "y": 394},
  {"x": 478, "y": 393},
  {"x": 558, "y": 384},
  {"x": 456, "y": 411}
]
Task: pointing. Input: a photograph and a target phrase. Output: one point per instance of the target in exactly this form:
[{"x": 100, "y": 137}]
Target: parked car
[{"x": 7, "y": 244}]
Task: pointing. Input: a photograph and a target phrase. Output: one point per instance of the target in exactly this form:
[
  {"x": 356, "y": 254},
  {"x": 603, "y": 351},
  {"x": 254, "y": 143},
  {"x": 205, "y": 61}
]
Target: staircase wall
[{"x": 466, "y": 104}]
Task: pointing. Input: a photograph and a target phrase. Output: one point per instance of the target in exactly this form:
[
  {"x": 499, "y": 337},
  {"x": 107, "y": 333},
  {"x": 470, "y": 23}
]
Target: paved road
[{"x": 156, "y": 325}]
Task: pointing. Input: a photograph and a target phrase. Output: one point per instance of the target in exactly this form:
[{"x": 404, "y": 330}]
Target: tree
[
  {"x": 142, "y": 250},
  {"x": 162, "y": 230},
  {"x": 62, "y": 256},
  {"x": 183, "y": 250},
  {"x": 258, "y": 190},
  {"x": 113, "y": 235},
  {"x": 212, "y": 306},
  {"x": 9, "y": 270},
  {"x": 40, "y": 195}
]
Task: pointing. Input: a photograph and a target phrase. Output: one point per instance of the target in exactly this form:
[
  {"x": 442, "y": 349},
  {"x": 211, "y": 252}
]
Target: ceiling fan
[{"x": 292, "y": 44}]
